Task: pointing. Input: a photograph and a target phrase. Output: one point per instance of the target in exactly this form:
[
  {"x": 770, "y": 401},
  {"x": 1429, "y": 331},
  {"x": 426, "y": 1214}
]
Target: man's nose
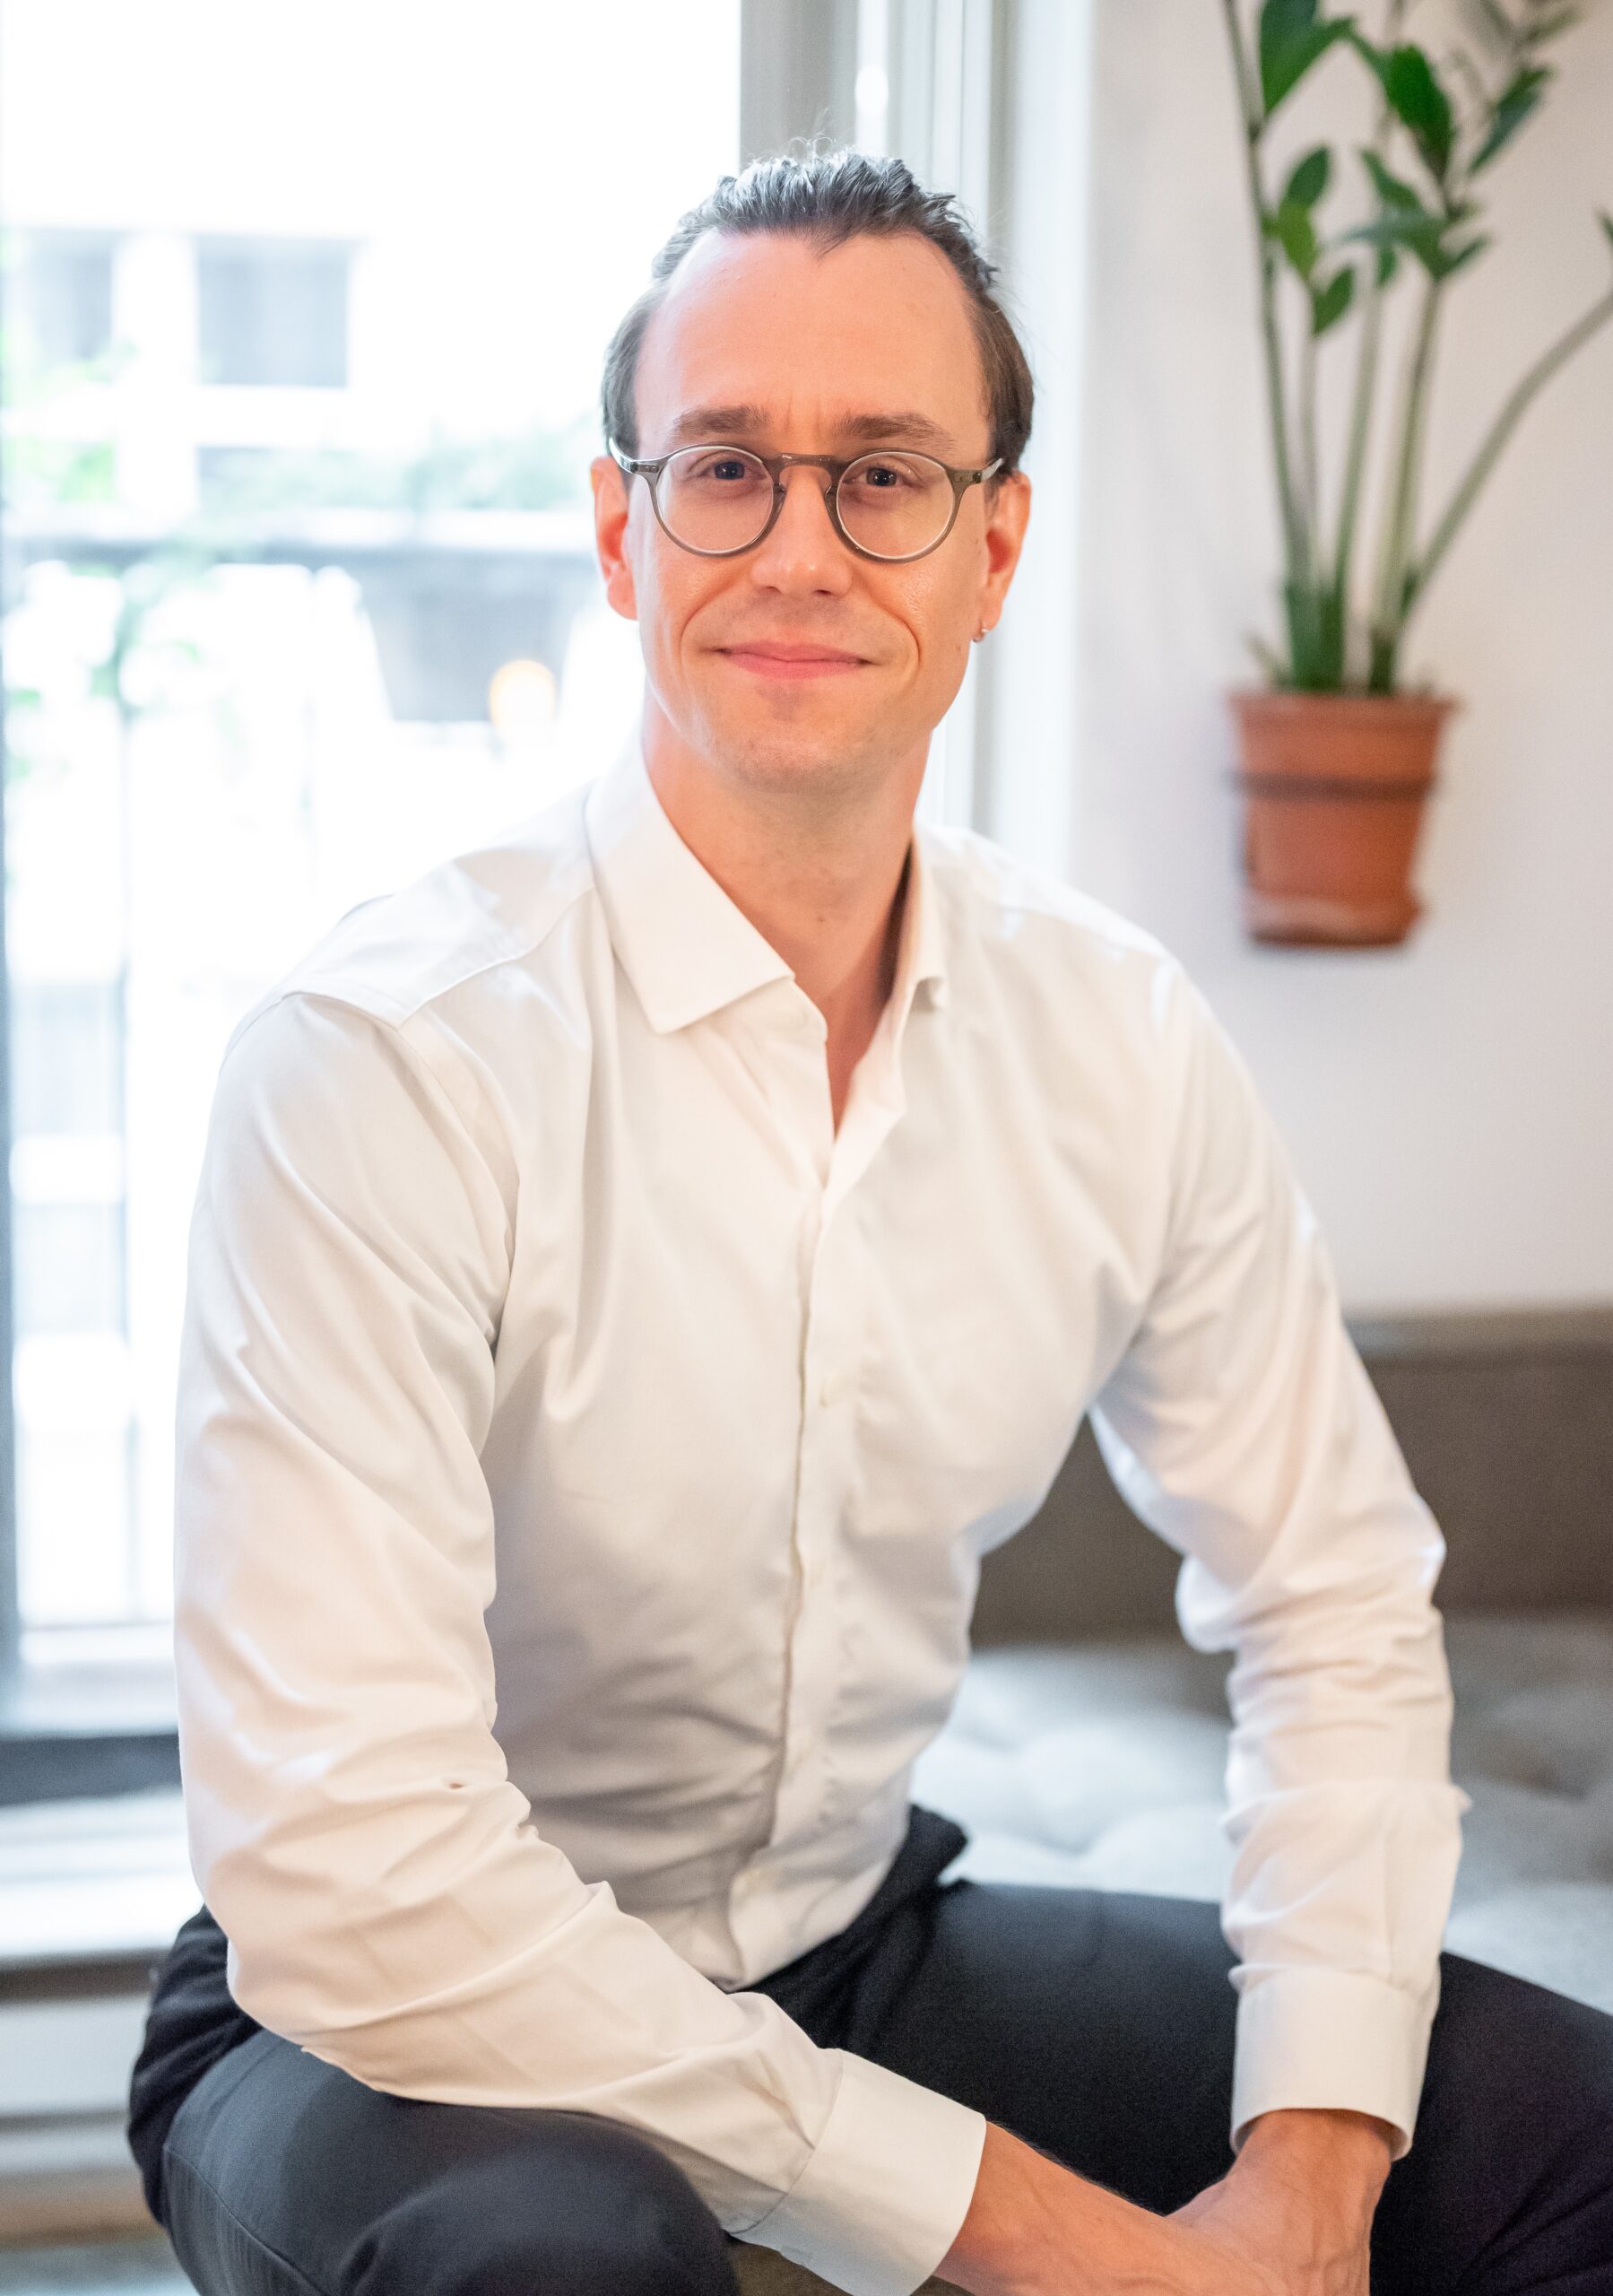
[{"x": 803, "y": 541}]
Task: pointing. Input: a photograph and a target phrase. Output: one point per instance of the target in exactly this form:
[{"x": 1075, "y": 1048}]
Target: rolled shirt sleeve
[
  {"x": 389, "y": 1905},
  {"x": 1240, "y": 1425}
]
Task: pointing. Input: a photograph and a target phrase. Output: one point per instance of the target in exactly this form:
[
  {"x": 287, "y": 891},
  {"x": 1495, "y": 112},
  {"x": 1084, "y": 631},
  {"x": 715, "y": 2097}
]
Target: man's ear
[
  {"x": 610, "y": 484},
  {"x": 1004, "y": 540}
]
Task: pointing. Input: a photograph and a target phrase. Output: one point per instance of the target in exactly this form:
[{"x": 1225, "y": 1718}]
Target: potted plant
[{"x": 1337, "y": 751}]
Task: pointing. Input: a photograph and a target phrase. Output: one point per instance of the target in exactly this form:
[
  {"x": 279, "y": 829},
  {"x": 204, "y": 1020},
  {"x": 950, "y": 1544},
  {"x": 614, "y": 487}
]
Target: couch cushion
[{"x": 1101, "y": 1766}]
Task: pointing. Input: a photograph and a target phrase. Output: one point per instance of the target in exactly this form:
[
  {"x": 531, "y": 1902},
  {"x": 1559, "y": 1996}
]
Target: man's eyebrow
[{"x": 702, "y": 425}]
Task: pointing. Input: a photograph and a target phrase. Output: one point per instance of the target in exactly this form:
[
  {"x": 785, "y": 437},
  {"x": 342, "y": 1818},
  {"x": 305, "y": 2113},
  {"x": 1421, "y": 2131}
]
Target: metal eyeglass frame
[{"x": 650, "y": 469}]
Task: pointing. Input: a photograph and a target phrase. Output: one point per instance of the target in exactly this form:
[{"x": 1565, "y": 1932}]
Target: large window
[{"x": 304, "y": 313}]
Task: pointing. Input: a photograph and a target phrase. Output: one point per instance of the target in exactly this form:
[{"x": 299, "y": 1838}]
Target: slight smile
[{"x": 792, "y": 661}]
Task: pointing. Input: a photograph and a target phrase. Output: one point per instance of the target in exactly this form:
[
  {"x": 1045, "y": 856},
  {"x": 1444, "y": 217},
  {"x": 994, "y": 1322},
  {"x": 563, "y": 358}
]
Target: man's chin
[
  {"x": 786, "y": 756},
  {"x": 771, "y": 763}
]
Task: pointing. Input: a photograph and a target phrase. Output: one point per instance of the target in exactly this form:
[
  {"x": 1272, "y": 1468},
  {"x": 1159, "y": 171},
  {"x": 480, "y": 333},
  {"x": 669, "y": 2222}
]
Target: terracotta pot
[{"x": 1334, "y": 790}]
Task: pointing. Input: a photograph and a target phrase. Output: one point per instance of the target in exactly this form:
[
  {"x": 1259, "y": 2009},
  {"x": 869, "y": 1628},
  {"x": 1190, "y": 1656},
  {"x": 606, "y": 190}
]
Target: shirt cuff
[
  {"x": 1331, "y": 2039},
  {"x": 886, "y": 2191}
]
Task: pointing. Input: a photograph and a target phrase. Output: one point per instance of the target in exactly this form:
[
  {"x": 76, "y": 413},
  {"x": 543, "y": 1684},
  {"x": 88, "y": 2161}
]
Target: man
[{"x": 638, "y": 1270}]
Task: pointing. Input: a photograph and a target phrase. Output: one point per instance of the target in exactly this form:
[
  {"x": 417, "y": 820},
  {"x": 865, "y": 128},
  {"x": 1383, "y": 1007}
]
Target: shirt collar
[{"x": 685, "y": 945}]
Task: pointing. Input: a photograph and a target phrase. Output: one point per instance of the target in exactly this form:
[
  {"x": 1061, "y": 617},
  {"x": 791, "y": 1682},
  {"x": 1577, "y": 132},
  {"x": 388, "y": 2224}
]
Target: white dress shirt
[{"x": 586, "y": 1453}]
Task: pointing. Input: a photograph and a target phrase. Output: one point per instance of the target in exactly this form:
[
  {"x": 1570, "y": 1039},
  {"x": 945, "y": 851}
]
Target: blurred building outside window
[{"x": 272, "y": 312}]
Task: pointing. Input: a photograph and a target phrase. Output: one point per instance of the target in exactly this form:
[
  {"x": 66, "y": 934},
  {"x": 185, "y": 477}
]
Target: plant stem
[
  {"x": 1360, "y": 425},
  {"x": 1293, "y": 535},
  {"x": 1367, "y": 377},
  {"x": 1462, "y": 501},
  {"x": 1402, "y": 503},
  {"x": 1308, "y": 459}
]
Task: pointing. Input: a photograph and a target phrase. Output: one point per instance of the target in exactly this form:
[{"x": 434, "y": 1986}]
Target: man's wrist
[{"x": 1345, "y": 2148}]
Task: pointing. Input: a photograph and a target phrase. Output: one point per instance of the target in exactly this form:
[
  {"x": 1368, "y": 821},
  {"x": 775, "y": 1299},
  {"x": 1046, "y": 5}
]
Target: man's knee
[
  {"x": 544, "y": 2200},
  {"x": 285, "y": 2174},
  {"x": 1545, "y": 2059},
  {"x": 1509, "y": 2183}
]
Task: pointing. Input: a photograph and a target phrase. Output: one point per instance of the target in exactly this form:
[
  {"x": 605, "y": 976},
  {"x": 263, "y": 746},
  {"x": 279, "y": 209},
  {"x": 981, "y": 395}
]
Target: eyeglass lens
[{"x": 720, "y": 498}]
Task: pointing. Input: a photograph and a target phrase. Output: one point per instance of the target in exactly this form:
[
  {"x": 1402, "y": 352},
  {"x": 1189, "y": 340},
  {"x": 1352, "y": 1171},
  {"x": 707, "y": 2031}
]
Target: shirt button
[
  {"x": 833, "y": 1387},
  {"x": 813, "y": 1571}
]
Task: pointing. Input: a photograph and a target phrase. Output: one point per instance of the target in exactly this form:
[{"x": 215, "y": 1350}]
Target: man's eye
[{"x": 725, "y": 468}]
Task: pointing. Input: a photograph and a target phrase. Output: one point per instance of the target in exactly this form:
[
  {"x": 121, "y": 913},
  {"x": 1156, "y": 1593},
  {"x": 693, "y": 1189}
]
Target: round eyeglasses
[{"x": 889, "y": 505}]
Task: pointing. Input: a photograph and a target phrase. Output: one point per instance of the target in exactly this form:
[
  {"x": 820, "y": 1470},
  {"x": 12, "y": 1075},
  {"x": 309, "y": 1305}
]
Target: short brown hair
[{"x": 827, "y": 197}]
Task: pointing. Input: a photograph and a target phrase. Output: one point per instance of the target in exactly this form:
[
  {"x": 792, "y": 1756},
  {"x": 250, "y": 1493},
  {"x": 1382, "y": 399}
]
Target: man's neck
[{"x": 826, "y": 889}]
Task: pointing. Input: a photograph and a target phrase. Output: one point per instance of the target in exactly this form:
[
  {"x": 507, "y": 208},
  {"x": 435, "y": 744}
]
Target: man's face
[{"x": 877, "y": 325}]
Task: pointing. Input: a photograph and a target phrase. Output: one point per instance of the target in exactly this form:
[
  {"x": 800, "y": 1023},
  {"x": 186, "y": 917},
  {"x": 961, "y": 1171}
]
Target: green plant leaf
[
  {"x": 1502, "y": 30},
  {"x": 1419, "y": 235},
  {"x": 1330, "y": 304},
  {"x": 1550, "y": 27},
  {"x": 1412, "y": 89},
  {"x": 1513, "y": 105},
  {"x": 1291, "y": 40},
  {"x": 1266, "y": 657},
  {"x": 1309, "y": 179},
  {"x": 1415, "y": 95},
  {"x": 1297, "y": 233},
  {"x": 1538, "y": 24},
  {"x": 1391, "y": 192},
  {"x": 1449, "y": 260}
]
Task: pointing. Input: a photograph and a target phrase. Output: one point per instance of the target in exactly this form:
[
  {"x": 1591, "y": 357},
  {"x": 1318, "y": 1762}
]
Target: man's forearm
[
  {"x": 1308, "y": 2178},
  {"x": 1034, "y": 2225}
]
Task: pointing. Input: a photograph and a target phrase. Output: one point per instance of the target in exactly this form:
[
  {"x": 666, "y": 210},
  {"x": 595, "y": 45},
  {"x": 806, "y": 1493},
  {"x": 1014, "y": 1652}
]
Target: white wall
[{"x": 1449, "y": 1105}]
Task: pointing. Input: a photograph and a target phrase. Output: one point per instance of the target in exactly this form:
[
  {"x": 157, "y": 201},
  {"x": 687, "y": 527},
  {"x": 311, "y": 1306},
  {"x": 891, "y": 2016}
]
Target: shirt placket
[{"x": 834, "y": 1295}]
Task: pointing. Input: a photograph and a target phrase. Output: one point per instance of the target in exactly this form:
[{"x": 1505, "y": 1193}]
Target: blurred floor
[{"x": 143, "y": 2267}]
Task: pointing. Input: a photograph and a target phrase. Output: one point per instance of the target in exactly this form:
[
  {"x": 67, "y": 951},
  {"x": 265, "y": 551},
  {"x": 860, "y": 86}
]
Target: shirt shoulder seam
[
  {"x": 348, "y": 984},
  {"x": 417, "y": 1055},
  {"x": 353, "y": 988}
]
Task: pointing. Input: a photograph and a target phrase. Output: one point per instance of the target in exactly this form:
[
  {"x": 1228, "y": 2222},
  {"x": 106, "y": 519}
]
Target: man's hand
[
  {"x": 1290, "y": 2218},
  {"x": 1300, "y": 2199},
  {"x": 1035, "y": 2227}
]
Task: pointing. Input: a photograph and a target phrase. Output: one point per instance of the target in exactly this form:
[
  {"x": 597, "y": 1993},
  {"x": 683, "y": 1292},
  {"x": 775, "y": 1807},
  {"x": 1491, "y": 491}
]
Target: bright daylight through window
[{"x": 303, "y": 328}]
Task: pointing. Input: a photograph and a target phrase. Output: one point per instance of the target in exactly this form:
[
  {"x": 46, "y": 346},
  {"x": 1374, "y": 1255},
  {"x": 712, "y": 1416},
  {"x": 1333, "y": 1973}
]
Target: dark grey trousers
[{"x": 1097, "y": 2026}]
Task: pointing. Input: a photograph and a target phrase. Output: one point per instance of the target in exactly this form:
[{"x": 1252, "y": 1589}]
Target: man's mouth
[{"x": 773, "y": 660}]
